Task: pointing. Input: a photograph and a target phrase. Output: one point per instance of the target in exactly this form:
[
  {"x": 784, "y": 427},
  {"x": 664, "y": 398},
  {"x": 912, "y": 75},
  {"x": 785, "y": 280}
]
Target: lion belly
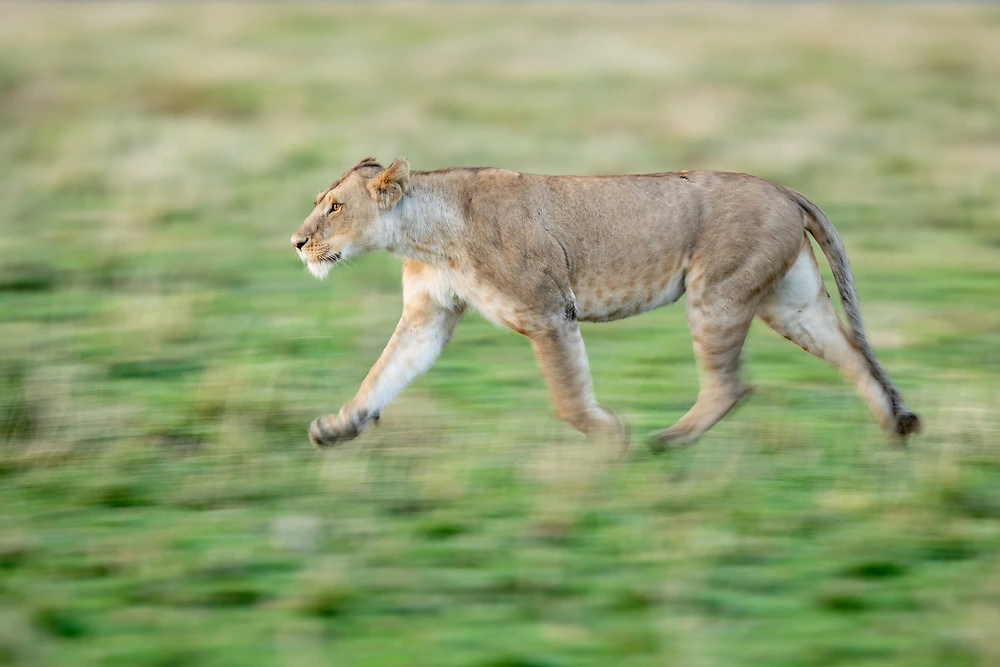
[{"x": 608, "y": 300}]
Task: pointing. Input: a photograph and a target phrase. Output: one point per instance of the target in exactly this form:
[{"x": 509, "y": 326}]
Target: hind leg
[
  {"x": 799, "y": 308},
  {"x": 719, "y": 329}
]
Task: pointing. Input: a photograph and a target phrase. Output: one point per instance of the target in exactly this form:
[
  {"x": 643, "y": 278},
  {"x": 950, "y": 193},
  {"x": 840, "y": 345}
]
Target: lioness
[{"x": 539, "y": 254}]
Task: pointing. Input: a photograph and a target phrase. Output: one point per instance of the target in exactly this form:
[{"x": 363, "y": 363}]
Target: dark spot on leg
[{"x": 570, "y": 311}]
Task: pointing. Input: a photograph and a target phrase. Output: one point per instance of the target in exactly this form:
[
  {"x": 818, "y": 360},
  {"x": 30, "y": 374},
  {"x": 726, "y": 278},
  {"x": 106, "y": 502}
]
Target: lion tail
[{"x": 821, "y": 229}]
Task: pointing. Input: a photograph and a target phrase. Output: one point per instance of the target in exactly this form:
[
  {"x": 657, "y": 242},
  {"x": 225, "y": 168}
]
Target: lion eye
[{"x": 335, "y": 207}]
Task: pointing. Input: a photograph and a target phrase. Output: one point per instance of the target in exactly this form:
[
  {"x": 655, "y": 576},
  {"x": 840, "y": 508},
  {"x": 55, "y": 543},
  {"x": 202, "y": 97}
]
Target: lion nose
[{"x": 299, "y": 241}]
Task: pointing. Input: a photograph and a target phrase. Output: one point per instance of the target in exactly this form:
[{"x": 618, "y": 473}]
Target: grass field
[{"x": 162, "y": 350}]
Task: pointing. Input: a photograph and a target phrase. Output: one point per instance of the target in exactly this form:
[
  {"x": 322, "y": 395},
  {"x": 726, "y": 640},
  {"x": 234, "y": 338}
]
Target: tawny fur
[{"x": 538, "y": 253}]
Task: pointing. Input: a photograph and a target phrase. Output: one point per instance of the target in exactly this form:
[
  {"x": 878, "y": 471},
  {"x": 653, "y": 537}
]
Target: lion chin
[{"x": 320, "y": 269}]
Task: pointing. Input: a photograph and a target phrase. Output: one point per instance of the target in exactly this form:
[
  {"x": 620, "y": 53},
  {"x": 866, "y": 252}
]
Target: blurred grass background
[{"x": 162, "y": 350}]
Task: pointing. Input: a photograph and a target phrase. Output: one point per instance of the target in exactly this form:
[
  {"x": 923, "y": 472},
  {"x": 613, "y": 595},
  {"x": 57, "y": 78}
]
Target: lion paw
[
  {"x": 669, "y": 439},
  {"x": 329, "y": 430}
]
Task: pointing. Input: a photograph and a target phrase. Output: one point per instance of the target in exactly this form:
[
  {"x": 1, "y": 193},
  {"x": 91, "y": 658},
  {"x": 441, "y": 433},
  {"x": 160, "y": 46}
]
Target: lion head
[{"x": 352, "y": 216}]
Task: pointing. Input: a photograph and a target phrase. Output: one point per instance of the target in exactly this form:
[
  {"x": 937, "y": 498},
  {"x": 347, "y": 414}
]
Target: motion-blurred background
[{"x": 162, "y": 350}]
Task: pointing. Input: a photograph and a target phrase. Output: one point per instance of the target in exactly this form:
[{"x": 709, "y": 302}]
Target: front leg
[
  {"x": 423, "y": 331},
  {"x": 560, "y": 352}
]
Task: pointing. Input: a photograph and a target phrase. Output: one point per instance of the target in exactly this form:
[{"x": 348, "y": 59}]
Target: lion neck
[{"x": 426, "y": 224}]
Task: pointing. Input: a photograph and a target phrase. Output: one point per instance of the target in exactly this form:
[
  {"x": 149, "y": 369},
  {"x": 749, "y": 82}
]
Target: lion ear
[{"x": 391, "y": 183}]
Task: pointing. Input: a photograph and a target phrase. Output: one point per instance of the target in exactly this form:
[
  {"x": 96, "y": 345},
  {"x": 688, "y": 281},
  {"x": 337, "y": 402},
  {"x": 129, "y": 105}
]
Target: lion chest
[{"x": 452, "y": 288}]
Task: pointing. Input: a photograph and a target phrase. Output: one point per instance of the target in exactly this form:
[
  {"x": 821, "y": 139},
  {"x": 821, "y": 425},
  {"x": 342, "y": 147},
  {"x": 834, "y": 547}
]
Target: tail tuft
[{"x": 907, "y": 423}]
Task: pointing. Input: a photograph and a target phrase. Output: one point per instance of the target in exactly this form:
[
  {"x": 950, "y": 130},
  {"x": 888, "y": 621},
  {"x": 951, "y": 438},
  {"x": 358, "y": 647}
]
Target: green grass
[{"x": 162, "y": 350}]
